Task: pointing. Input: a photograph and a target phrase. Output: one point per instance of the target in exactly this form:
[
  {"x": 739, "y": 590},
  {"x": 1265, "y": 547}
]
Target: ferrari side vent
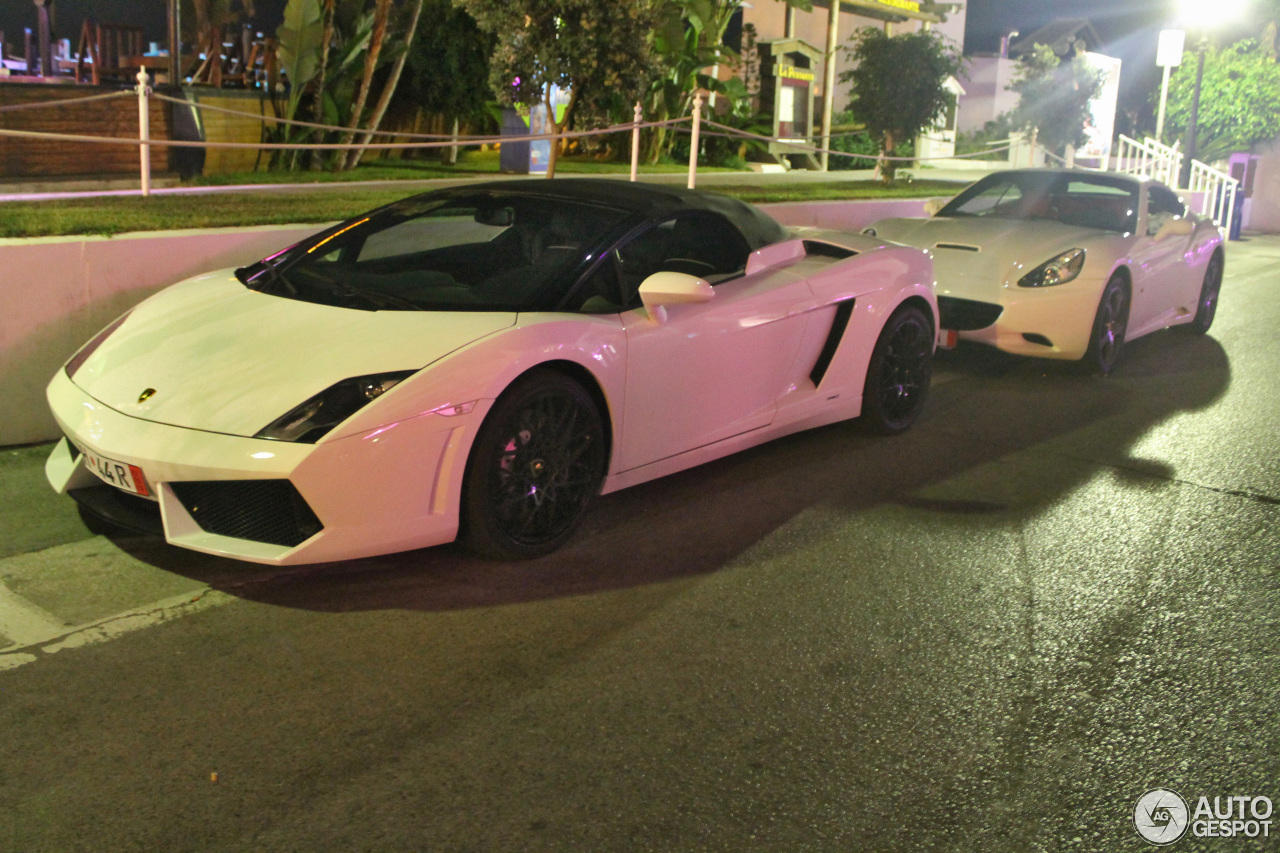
[
  {"x": 844, "y": 310},
  {"x": 270, "y": 511},
  {"x": 819, "y": 249}
]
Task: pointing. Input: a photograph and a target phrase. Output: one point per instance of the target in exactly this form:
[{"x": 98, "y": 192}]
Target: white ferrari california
[
  {"x": 481, "y": 362},
  {"x": 1066, "y": 264}
]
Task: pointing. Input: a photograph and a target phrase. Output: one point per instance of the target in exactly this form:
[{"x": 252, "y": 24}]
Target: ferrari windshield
[
  {"x": 448, "y": 252},
  {"x": 1083, "y": 200}
]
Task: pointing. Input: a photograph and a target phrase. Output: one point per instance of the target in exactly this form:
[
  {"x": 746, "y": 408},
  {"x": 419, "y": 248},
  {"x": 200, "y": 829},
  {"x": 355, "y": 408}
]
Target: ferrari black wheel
[
  {"x": 899, "y": 372},
  {"x": 1207, "y": 307},
  {"x": 1109, "y": 325},
  {"x": 536, "y": 465}
]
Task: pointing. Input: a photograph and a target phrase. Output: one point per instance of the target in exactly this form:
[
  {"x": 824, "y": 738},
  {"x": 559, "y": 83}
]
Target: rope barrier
[
  {"x": 144, "y": 143},
  {"x": 461, "y": 138},
  {"x": 327, "y": 146},
  {"x": 109, "y": 95},
  {"x": 732, "y": 131}
]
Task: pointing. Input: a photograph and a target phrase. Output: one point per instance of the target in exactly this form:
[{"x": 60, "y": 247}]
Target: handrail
[
  {"x": 1218, "y": 191},
  {"x": 1149, "y": 158}
]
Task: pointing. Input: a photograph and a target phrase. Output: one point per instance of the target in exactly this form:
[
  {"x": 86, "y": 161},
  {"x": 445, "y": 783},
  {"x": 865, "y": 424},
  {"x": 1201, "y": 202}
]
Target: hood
[
  {"x": 223, "y": 358},
  {"x": 975, "y": 256}
]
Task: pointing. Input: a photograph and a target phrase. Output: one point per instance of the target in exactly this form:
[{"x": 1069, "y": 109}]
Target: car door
[
  {"x": 1160, "y": 268},
  {"x": 712, "y": 370}
]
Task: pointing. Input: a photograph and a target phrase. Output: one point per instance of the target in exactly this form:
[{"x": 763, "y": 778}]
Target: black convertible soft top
[{"x": 651, "y": 201}]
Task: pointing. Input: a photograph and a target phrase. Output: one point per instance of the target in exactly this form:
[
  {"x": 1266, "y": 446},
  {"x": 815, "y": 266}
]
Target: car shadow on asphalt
[{"x": 991, "y": 408}]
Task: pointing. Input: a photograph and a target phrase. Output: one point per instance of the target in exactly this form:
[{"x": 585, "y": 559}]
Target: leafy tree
[
  {"x": 899, "y": 85},
  {"x": 330, "y": 52},
  {"x": 1054, "y": 97},
  {"x": 586, "y": 46},
  {"x": 1239, "y": 99},
  {"x": 688, "y": 40},
  {"x": 449, "y": 62}
]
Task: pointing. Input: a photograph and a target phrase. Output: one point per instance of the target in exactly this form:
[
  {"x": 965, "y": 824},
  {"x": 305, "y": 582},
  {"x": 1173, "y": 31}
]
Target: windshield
[
  {"x": 1087, "y": 201},
  {"x": 481, "y": 252}
]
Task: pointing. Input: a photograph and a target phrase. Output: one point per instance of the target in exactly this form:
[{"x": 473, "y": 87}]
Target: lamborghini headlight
[
  {"x": 311, "y": 421},
  {"x": 1059, "y": 270}
]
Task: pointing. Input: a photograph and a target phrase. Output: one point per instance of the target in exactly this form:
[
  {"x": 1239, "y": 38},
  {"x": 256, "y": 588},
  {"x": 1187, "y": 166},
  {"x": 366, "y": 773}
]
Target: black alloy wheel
[
  {"x": 899, "y": 372},
  {"x": 536, "y": 465},
  {"x": 1207, "y": 307},
  {"x": 1109, "y": 326}
]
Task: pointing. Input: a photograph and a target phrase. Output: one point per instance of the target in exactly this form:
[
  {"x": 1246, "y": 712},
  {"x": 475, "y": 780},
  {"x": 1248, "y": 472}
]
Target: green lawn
[
  {"x": 120, "y": 214},
  {"x": 396, "y": 169}
]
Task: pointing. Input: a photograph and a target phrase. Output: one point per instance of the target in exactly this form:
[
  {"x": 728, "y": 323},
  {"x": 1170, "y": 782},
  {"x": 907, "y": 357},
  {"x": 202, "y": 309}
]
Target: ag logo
[{"x": 1160, "y": 816}]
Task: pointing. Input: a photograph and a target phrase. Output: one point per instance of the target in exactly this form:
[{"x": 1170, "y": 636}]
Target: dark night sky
[
  {"x": 1128, "y": 28},
  {"x": 987, "y": 19}
]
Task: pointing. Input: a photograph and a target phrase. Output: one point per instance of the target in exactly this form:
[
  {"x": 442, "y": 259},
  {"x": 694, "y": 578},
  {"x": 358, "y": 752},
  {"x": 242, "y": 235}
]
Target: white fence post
[
  {"x": 693, "y": 141},
  {"x": 635, "y": 144},
  {"x": 144, "y": 132}
]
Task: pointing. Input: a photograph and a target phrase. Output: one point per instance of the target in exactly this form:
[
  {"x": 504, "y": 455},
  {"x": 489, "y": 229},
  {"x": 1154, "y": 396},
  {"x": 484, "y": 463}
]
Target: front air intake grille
[
  {"x": 270, "y": 511},
  {"x": 966, "y": 315}
]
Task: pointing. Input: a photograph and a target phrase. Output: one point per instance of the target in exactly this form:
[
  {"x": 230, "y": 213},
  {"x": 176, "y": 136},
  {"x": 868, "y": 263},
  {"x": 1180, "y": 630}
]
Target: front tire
[
  {"x": 899, "y": 372},
  {"x": 1109, "y": 326},
  {"x": 1207, "y": 307},
  {"x": 536, "y": 465}
]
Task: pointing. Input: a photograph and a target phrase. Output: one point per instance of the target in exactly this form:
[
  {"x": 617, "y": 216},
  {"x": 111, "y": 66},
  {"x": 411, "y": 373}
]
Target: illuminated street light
[{"x": 1201, "y": 16}]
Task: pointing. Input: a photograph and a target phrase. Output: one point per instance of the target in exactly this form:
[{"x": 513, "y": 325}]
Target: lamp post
[
  {"x": 1200, "y": 15},
  {"x": 1184, "y": 179},
  {"x": 1168, "y": 55}
]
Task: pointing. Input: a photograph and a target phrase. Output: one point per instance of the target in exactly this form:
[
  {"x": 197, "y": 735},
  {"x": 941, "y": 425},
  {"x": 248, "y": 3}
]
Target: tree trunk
[
  {"x": 559, "y": 127},
  {"x": 317, "y": 107},
  {"x": 887, "y": 167},
  {"x": 381, "y": 13},
  {"x": 353, "y": 157}
]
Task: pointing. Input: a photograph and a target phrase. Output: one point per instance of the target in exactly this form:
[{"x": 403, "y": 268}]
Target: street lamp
[{"x": 1200, "y": 15}]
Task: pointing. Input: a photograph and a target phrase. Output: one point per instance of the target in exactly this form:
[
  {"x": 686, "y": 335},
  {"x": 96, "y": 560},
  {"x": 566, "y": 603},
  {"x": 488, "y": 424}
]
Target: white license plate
[{"x": 118, "y": 474}]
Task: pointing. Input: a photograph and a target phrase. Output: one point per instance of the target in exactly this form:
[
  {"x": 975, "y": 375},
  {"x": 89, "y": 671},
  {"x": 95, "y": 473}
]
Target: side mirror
[
  {"x": 672, "y": 288},
  {"x": 1175, "y": 228},
  {"x": 933, "y": 205}
]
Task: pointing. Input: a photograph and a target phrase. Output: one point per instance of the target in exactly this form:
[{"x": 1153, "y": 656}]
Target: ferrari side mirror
[
  {"x": 672, "y": 288},
  {"x": 933, "y": 205}
]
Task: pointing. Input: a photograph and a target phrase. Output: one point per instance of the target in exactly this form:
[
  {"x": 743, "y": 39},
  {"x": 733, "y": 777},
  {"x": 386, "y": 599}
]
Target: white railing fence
[
  {"x": 1218, "y": 191},
  {"x": 1149, "y": 158}
]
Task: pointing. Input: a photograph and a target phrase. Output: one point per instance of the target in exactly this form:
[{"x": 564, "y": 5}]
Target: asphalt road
[{"x": 993, "y": 633}]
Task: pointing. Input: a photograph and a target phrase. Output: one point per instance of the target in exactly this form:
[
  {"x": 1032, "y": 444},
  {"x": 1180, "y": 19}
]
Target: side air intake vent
[{"x": 844, "y": 310}]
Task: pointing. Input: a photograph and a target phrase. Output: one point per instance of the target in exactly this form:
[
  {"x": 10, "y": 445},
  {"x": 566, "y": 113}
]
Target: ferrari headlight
[
  {"x": 1059, "y": 270},
  {"x": 309, "y": 422}
]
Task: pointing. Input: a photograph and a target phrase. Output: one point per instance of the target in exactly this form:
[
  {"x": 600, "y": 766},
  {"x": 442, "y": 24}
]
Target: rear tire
[
  {"x": 534, "y": 468},
  {"x": 899, "y": 372},
  {"x": 1207, "y": 307},
  {"x": 1109, "y": 326}
]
